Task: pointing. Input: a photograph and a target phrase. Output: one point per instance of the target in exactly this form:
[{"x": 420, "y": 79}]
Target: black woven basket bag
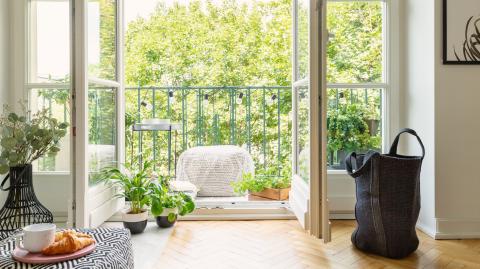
[{"x": 388, "y": 200}]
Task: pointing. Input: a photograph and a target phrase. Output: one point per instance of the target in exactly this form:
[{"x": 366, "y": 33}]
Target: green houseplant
[
  {"x": 136, "y": 186},
  {"x": 372, "y": 115},
  {"x": 265, "y": 184},
  {"x": 167, "y": 205},
  {"x": 25, "y": 138},
  {"x": 347, "y": 131}
]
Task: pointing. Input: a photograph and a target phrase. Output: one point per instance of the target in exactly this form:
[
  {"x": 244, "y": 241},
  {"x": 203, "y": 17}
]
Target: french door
[
  {"x": 308, "y": 196},
  {"x": 98, "y": 119}
]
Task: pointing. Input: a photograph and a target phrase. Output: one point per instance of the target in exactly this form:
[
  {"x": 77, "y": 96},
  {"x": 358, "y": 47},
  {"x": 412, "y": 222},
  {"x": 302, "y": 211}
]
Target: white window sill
[{"x": 59, "y": 173}]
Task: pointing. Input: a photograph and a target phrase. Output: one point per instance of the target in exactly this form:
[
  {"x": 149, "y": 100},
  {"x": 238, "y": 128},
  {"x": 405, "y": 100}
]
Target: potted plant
[
  {"x": 25, "y": 138},
  {"x": 136, "y": 187},
  {"x": 347, "y": 131},
  {"x": 372, "y": 117},
  {"x": 167, "y": 205},
  {"x": 265, "y": 185}
]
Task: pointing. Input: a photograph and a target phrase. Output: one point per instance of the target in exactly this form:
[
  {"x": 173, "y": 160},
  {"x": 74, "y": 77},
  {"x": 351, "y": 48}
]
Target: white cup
[{"x": 36, "y": 237}]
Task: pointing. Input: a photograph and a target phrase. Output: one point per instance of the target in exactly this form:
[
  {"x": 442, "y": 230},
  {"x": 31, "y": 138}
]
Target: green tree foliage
[
  {"x": 208, "y": 44},
  {"x": 105, "y": 68},
  {"x": 355, "y": 51}
]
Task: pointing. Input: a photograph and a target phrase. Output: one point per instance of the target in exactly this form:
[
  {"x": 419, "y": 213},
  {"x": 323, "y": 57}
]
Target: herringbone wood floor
[{"x": 282, "y": 244}]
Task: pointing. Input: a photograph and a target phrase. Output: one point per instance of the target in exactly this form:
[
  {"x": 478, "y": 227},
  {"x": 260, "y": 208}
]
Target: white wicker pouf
[{"x": 212, "y": 169}]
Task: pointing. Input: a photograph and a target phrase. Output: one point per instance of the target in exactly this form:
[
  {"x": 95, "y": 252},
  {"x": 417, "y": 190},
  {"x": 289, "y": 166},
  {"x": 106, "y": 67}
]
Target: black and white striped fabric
[{"x": 113, "y": 251}]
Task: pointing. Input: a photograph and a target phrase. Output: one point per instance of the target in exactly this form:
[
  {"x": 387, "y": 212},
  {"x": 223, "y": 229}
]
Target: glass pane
[
  {"x": 302, "y": 34},
  {"x": 102, "y": 130},
  {"x": 49, "y": 48},
  {"x": 354, "y": 53},
  {"x": 57, "y": 103},
  {"x": 102, "y": 34},
  {"x": 303, "y": 135},
  {"x": 354, "y": 123}
]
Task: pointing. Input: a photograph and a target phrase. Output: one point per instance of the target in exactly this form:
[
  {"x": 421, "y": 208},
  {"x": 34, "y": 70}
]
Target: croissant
[{"x": 67, "y": 242}]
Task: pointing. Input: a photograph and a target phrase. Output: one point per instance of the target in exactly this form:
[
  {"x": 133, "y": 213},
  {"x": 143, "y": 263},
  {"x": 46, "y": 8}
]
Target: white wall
[
  {"x": 418, "y": 93},
  {"x": 4, "y": 52},
  {"x": 441, "y": 103},
  {"x": 457, "y": 128},
  {"x": 4, "y": 62}
]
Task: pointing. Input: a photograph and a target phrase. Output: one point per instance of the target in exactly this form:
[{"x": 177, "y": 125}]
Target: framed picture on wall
[{"x": 461, "y": 31}]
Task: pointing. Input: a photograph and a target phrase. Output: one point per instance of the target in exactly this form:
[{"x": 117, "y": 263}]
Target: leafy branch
[{"x": 24, "y": 140}]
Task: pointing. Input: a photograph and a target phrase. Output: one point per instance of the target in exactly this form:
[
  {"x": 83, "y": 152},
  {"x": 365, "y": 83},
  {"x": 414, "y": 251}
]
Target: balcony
[
  {"x": 256, "y": 118},
  {"x": 259, "y": 119}
]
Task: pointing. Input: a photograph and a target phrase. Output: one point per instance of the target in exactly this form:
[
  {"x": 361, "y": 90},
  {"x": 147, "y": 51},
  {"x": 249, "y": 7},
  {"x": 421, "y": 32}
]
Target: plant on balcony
[
  {"x": 167, "y": 205},
  {"x": 347, "y": 131},
  {"x": 372, "y": 116},
  {"x": 136, "y": 186},
  {"x": 265, "y": 184}
]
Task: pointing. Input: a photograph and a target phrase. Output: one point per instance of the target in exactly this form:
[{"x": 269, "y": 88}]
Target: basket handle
[
  {"x": 14, "y": 183},
  {"x": 393, "y": 148},
  {"x": 349, "y": 167}
]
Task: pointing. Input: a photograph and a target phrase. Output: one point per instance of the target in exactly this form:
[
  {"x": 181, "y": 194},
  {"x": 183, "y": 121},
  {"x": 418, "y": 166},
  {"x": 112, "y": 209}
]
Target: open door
[
  {"x": 308, "y": 196},
  {"x": 98, "y": 117}
]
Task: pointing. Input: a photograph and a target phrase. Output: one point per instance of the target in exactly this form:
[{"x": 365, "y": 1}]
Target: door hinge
[{"x": 74, "y": 205}]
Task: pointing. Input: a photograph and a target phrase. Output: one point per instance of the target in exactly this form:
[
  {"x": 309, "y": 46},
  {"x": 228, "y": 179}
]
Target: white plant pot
[
  {"x": 134, "y": 217},
  {"x": 136, "y": 223},
  {"x": 162, "y": 220},
  {"x": 167, "y": 211}
]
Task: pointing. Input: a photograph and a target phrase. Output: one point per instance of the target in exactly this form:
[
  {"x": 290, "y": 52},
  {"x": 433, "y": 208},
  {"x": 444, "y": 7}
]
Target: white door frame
[
  {"x": 80, "y": 114},
  {"x": 309, "y": 202},
  {"x": 93, "y": 204}
]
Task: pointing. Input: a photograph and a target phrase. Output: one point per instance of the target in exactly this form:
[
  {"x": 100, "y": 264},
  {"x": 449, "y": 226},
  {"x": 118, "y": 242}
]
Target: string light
[
  {"x": 240, "y": 99},
  {"x": 205, "y": 100},
  {"x": 146, "y": 105},
  {"x": 271, "y": 100}
]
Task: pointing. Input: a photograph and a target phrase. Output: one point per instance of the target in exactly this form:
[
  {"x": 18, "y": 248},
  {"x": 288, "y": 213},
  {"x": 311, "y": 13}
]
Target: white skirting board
[{"x": 457, "y": 228}]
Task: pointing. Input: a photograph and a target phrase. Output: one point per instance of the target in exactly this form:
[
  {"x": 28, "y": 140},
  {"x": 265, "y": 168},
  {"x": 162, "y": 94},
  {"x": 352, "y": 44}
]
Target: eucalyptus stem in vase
[{"x": 25, "y": 138}]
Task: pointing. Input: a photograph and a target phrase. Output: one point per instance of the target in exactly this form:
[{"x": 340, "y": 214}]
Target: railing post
[
  {"x": 139, "y": 120},
  {"x": 278, "y": 132},
  {"x": 154, "y": 132},
  {"x": 199, "y": 116},
  {"x": 232, "y": 115},
  {"x": 337, "y": 98},
  {"x": 264, "y": 144},
  {"x": 184, "y": 121},
  {"x": 169, "y": 134},
  {"x": 249, "y": 123}
]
